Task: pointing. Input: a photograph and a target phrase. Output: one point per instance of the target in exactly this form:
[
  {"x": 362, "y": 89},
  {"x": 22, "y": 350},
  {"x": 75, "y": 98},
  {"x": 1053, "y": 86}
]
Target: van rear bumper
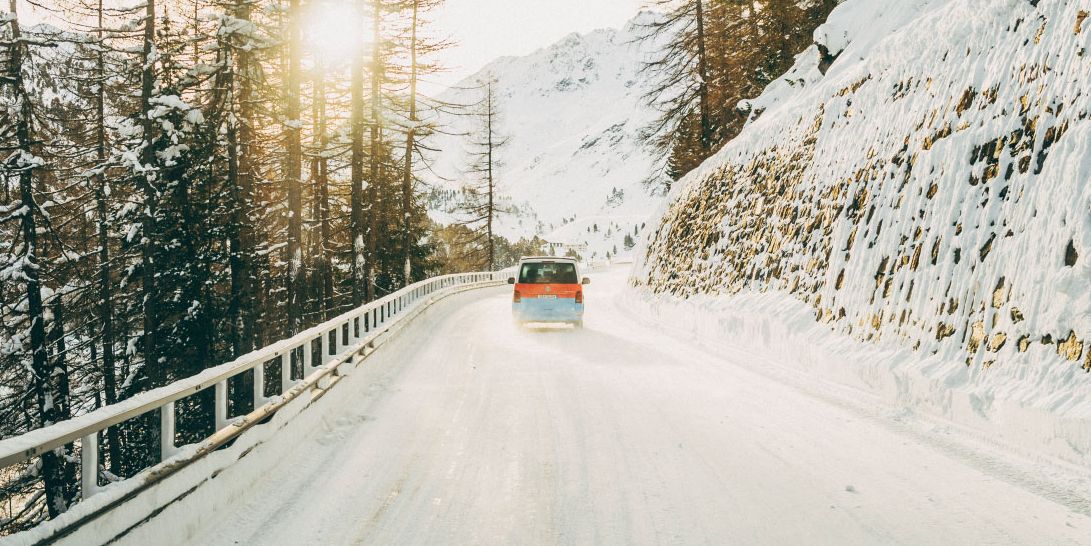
[{"x": 547, "y": 310}]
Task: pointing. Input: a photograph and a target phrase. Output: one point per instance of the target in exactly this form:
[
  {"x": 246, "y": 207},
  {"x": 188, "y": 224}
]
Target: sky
[
  {"x": 483, "y": 30},
  {"x": 486, "y": 29}
]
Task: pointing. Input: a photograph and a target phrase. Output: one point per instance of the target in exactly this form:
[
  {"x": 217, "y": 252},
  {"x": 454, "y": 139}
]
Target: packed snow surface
[{"x": 467, "y": 430}]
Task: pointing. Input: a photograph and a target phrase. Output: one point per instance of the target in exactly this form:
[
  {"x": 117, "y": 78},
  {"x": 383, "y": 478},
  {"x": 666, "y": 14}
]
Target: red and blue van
[{"x": 548, "y": 289}]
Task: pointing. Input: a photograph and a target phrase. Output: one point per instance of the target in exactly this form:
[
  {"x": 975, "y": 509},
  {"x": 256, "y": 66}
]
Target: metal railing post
[
  {"x": 220, "y": 410},
  {"x": 308, "y": 357},
  {"x": 89, "y": 465},
  {"x": 259, "y": 385},
  {"x": 166, "y": 431},
  {"x": 336, "y": 340},
  {"x": 286, "y": 371}
]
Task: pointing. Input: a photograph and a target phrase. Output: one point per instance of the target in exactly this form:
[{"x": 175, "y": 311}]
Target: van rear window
[{"x": 548, "y": 273}]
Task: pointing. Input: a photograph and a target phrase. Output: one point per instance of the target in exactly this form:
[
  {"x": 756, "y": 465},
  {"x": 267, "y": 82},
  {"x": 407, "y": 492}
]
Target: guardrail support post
[
  {"x": 89, "y": 465},
  {"x": 220, "y": 409},
  {"x": 286, "y": 371},
  {"x": 259, "y": 385},
  {"x": 336, "y": 340},
  {"x": 166, "y": 431},
  {"x": 308, "y": 357}
]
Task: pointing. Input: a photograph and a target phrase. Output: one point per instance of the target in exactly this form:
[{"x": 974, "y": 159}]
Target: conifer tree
[
  {"x": 712, "y": 55},
  {"x": 481, "y": 206}
]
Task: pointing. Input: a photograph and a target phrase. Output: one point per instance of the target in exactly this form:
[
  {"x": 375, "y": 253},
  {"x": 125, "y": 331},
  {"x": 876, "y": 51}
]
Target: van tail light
[
  {"x": 516, "y": 298},
  {"x": 579, "y": 296}
]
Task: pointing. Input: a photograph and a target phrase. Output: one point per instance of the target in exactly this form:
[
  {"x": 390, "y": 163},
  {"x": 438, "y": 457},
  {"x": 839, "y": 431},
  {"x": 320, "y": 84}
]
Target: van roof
[{"x": 547, "y": 258}]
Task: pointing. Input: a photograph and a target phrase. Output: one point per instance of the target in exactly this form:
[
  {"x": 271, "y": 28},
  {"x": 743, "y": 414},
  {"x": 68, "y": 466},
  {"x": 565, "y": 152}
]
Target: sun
[{"x": 334, "y": 30}]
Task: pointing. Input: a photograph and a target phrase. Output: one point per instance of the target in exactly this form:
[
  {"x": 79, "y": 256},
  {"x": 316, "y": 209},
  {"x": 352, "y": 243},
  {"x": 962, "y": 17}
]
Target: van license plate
[{"x": 547, "y": 297}]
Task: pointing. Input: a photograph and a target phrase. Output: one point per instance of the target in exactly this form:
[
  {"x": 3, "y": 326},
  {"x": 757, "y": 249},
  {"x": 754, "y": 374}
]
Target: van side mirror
[
  {"x": 511, "y": 280},
  {"x": 586, "y": 280}
]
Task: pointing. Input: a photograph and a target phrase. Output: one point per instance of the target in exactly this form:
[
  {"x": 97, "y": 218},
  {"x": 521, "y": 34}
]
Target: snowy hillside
[
  {"x": 929, "y": 192},
  {"x": 576, "y": 163}
]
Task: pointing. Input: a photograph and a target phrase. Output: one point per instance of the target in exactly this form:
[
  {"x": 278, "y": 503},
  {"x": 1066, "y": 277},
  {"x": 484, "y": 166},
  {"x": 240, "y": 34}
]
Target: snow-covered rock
[
  {"x": 577, "y": 155},
  {"x": 931, "y": 192}
]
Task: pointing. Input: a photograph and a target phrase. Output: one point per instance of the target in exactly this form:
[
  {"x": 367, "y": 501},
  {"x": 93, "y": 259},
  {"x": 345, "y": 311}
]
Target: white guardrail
[{"x": 346, "y": 339}]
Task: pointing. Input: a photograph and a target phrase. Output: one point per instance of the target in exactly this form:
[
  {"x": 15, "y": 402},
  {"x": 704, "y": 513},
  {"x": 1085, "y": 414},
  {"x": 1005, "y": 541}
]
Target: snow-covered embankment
[{"x": 930, "y": 193}]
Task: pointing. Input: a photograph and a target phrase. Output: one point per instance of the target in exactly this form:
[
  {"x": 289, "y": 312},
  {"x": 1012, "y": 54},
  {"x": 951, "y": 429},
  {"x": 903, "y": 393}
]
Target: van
[{"x": 548, "y": 289}]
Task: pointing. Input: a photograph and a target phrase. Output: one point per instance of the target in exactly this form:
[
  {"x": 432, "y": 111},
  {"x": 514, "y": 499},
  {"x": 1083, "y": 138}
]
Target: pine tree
[
  {"x": 293, "y": 170},
  {"x": 374, "y": 209},
  {"x": 239, "y": 39},
  {"x": 26, "y": 263},
  {"x": 410, "y": 144},
  {"x": 713, "y": 54},
  {"x": 481, "y": 205},
  {"x": 358, "y": 225}
]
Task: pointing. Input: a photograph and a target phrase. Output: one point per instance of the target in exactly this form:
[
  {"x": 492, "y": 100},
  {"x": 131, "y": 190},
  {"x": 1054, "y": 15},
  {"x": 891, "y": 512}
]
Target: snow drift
[{"x": 919, "y": 180}]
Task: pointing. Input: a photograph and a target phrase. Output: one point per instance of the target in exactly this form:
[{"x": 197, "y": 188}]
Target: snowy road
[{"x": 473, "y": 432}]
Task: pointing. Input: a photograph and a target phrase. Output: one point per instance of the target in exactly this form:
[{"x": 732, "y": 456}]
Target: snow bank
[
  {"x": 1032, "y": 409},
  {"x": 928, "y": 194}
]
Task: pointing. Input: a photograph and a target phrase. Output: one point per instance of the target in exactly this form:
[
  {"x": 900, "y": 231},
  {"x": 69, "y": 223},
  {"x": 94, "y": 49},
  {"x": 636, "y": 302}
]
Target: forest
[
  {"x": 185, "y": 181},
  {"x": 716, "y": 54}
]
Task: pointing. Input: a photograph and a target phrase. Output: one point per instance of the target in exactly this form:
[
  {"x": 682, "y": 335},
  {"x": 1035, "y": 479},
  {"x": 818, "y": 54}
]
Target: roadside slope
[{"x": 928, "y": 193}]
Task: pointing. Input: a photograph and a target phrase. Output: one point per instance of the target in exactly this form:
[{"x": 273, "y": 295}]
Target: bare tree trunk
[
  {"x": 356, "y": 219},
  {"x": 482, "y": 206},
  {"x": 491, "y": 181},
  {"x": 153, "y": 370},
  {"x": 59, "y": 369},
  {"x": 50, "y": 403},
  {"x": 293, "y": 173},
  {"x": 376, "y": 144},
  {"x": 243, "y": 268},
  {"x": 106, "y": 296},
  {"x": 407, "y": 176},
  {"x": 702, "y": 69},
  {"x": 236, "y": 260},
  {"x": 323, "y": 276}
]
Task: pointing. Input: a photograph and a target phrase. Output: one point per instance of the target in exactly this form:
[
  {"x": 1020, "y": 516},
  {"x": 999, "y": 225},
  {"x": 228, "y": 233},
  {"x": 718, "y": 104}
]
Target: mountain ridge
[{"x": 578, "y": 159}]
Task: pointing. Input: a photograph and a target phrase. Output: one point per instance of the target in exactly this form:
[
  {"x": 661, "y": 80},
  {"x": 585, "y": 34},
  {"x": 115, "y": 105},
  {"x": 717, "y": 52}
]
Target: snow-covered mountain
[
  {"x": 930, "y": 192},
  {"x": 577, "y": 165}
]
